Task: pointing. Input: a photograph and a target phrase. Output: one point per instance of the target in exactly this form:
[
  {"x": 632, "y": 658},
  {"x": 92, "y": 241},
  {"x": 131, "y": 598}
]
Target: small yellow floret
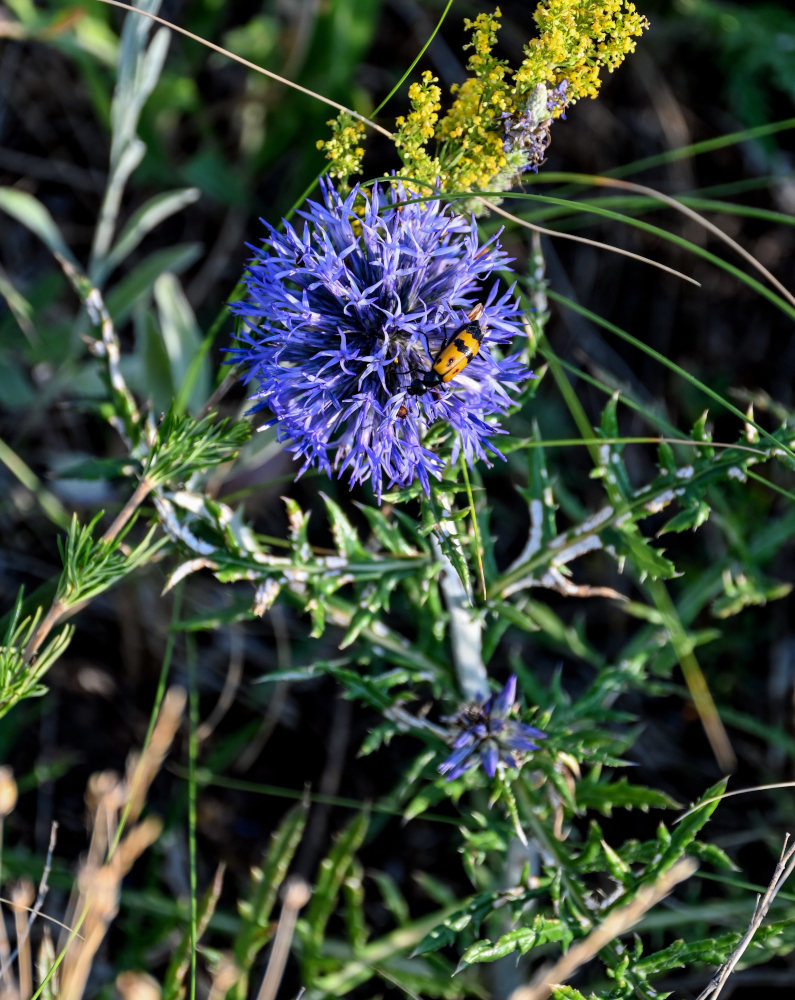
[{"x": 343, "y": 149}]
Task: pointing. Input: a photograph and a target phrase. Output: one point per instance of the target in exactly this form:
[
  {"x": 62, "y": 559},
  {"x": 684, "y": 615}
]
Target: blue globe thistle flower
[
  {"x": 488, "y": 735},
  {"x": 342, "y": 318}
]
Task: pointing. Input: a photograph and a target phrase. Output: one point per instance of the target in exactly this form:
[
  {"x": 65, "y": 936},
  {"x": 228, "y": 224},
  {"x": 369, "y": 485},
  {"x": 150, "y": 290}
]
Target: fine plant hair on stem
[
  {"x": 782, "y": 872},
  {"x": 615, "y": 924}
]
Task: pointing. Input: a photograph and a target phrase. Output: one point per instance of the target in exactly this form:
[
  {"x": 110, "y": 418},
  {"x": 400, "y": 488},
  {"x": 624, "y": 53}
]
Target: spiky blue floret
[
  {"x": 340, "y": 319},
  {"x": 488, "y": 735}
]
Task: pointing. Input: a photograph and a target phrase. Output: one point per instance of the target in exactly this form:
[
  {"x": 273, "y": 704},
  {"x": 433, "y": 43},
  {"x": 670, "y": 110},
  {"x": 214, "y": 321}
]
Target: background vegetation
[{"x": 281, "y": 705}]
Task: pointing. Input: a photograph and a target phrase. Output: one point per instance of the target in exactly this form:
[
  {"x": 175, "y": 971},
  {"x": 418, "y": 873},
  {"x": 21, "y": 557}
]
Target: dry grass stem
[
  {"x": 617, "y": 923},
  {"x": 8, "y": 792},
  {"x": 225, "y": 976},
  {"x": 8, "y": 801},
  {"x": 234, "y": 675},
  {"x": 783, "y": 870},
  {"x": 728, "y": 795},
  {"x": 588, "y": 242},
  {"x": 705, "y": 223},
  {"x": 5, "y": 950},
  {"x": 22, "y": 896},
  {"x": 295, "y": 895},
  {"x": 105, "y": 796},
  {"x": 43, "y": 885},
  {"x": 141, "y": 769},
  {"x": 96, "y": 905},
  {"x": 111, "y": 802},
  {"x": 138, "y": 986},
  {"x": 44, "y": 964},
  {"x": 250, "y": 65}
]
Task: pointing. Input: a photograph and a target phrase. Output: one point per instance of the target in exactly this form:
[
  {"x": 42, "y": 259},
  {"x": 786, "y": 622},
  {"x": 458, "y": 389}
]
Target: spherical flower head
[
  {"x": 344, "y": 316},
  {"x": 488, "y": 735}
]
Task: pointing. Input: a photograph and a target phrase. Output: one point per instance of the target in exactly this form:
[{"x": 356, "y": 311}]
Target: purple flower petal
[
  {"x": 490, "y": 756},
  {"x": 487, "y": 733},
  {"x": 506, "y": 697}
]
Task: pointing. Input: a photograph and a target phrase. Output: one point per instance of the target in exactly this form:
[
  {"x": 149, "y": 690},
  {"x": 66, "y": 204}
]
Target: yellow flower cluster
[
  {"x": 473, "y": 151},
  {"x": 344, "y": 150},
  {"x": 498, "y": 123},
  {"x": 416, "y": 129},
  {"x": 577, "y": 39}
]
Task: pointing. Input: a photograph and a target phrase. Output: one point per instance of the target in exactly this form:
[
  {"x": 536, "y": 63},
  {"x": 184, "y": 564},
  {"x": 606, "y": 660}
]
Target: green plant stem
[
  {"x": 694, "y": 678},
  {"x": 43, "y": 629},
  {"x": 141, "y": 492},
  {"x": 74, "y": 932},
  {"x": 475, "y": 529},
  {"x": 193, "y": 753},
  {"x": 570, "y": 397}
]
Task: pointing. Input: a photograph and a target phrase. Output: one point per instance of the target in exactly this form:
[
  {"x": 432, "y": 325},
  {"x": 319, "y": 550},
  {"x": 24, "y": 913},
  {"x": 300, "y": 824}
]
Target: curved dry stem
[
  {"x": 142, "y": 491},
  {"x": 615, "y": 924},
  {"x": 584, "y": 239},
  {"x": 705, "y": 223},
  {"x": 783, "y": 870},
  {"x": 248, "y": 64},
  {"x": 729, "y": 795}
]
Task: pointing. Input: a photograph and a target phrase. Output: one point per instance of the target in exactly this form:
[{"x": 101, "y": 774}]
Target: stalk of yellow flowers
[{"x": 498, "y": 124}]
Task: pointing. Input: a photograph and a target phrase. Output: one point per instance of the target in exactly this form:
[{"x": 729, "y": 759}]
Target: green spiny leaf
[
  {"x": 540, "y": 930},
  {"x": 604, "y": 796},
  {"x": 470, "y": 916},
  {"x": 255, "y": 931},
  {"x": 346, "y": 538},
  {"x": 333, "y": 871},
  {"x": 387, "y": 531},
  {"x": 646, "y": 560},
  {"x": 692, "y": 517},
  {"x": 685, "y": 831}
]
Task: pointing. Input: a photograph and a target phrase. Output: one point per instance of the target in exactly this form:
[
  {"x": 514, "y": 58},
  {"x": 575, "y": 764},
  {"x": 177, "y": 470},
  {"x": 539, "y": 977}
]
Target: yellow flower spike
[
  {"x": 343, "y": 149},
  {"x": 417, "y": 128},
  {"x": 498, "y": 123}
]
